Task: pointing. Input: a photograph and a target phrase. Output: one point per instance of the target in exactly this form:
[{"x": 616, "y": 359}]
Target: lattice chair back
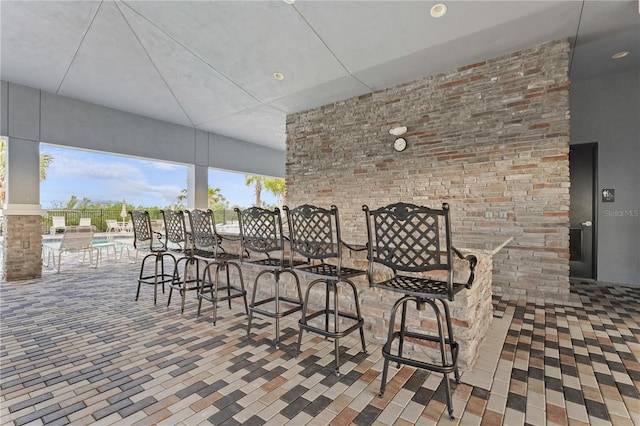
[
  {"x": 410, "y": 238},
  {"x": 203, "y": 231},
  {"x": 261, "y": 230},
  {"x": 314, "y": 232},
  {"x": 143, "y": 235},
  {"x": 175, "y": 230}
]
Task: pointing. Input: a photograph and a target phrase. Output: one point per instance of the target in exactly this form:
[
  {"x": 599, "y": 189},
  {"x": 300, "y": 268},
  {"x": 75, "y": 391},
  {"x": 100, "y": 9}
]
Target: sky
[{"x": 112, "y": 178}]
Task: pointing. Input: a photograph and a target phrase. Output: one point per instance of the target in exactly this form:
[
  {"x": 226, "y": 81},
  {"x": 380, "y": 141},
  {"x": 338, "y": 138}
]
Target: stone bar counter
[{"x": 471, "y": 310}]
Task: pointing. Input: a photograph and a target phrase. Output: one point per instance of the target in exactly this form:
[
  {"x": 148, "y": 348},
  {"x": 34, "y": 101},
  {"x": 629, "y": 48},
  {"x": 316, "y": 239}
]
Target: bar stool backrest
[
  {"x": 143, "y": 235},
  {"x": 410, "y": 238},
  {"x": 175, "y": 229},
  {"x": 203, "y": 231},
  {"x": 314, "y": 232},
  {"x": 261, "y": 230}
]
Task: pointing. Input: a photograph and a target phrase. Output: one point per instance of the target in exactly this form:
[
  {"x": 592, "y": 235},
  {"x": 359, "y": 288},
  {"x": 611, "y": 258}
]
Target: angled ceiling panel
[
  {"x": 262, "y": 125},
  {"x": 323, "y": 94},
  {"x": 112, "y": 69},
  {"x": 40, "y": 38},
  {"x": 387, "y": 30},
  {"x": 248, "y": 42},
  {"x": 499, "y": 39},
  {"x": 202, "y": 91}
]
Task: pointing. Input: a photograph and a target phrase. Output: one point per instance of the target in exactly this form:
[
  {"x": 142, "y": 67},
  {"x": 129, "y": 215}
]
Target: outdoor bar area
[{"x": 488, "y": 139}]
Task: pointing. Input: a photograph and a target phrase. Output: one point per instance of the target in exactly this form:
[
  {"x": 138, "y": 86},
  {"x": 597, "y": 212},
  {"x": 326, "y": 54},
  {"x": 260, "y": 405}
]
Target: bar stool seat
[
  {"x": 314, "y": 234},
  {"x": 409, "y": 243},
  {"x": 261, "y": 235}
]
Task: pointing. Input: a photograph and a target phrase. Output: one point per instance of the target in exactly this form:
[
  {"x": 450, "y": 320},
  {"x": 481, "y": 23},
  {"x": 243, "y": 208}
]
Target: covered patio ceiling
[{"x": 210, "y": 64}]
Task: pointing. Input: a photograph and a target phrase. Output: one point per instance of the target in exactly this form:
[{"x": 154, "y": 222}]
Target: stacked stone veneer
[
  {"x": 22, "y": 246},
  {"x": 490, "y": 138}
]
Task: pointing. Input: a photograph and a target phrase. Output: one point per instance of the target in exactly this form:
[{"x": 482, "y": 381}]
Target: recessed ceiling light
[
  {"x": 620, "y": 54},
  {"x": 438, "y": 10},
  {"x": 289, "y": 1},
  {"x": 278, "y": 76}
]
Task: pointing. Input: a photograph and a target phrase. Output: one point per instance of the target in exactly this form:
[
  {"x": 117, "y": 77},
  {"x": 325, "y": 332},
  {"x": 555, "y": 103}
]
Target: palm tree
[
  {"x": 45, "y": 162},
  {"x": 257, "y": 181},
  {"x": 214, "y": 195},
  {"x": 275, "y": 186}
]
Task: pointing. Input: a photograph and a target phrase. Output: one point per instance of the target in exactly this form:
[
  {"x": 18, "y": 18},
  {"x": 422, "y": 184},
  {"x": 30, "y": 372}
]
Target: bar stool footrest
[
  {"x": 447, "y": 368},
  {"x": 332, "y": 334},
  {"x": 238, "y": 293},
  {"x": 271, "y": 314}
]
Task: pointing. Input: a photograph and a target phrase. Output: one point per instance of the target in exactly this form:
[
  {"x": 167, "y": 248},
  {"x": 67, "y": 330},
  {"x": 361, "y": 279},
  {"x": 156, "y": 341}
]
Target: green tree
[
  {"x": 275, "y": 186},
  {"x": 45, "y": 162},
  {"x": 214, "y": 196}
]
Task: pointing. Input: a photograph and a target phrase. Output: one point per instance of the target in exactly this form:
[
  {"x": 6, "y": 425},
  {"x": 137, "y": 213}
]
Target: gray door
[{"x": 582, "y": 219}]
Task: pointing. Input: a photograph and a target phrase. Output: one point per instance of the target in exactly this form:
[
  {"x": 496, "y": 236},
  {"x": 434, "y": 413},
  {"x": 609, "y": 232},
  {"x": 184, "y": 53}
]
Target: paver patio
[{"x": 76, "y": 348}]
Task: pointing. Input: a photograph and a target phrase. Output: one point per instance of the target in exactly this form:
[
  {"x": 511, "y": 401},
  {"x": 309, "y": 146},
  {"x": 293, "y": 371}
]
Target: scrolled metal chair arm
[{"x": 473, "y": 261}]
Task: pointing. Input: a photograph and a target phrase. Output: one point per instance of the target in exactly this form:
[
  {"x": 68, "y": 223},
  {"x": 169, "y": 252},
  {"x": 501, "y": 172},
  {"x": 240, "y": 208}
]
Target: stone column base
[{"x": 22, "y": 246}]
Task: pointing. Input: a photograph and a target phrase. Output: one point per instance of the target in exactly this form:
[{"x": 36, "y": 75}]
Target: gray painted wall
[
  {"x": 76, "y": 124},
  {"x": 607, "y": 111}
]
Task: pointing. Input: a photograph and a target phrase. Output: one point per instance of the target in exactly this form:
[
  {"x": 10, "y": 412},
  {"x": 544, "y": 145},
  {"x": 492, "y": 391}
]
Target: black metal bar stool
[
  {"x": 178, "y": 242},
  {"x": 411, "y": 242},
  {"x": 145, "y": 239},
  {"x": 207, "y": 248},
  {"x": 263, "y": 241},
  {"x": 314, "y": 234}
]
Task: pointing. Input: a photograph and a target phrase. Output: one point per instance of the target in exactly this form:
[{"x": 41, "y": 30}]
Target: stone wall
[
  {"x": 22, "y": 246},
  {"x": 490, "y": 138}
]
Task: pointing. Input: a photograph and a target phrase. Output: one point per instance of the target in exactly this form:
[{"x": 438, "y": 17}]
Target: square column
[
  {"x": 22, "y": 243},
  {"x": 197, "y": 187}
]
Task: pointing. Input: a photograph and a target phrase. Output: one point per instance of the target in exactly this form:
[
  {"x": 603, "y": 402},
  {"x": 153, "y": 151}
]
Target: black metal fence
[{"x": 100, "y": 216}]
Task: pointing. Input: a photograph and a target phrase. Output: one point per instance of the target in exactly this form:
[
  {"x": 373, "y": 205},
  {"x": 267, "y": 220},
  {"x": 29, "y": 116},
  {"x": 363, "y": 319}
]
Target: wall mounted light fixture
[{"x": 398, "y": 131}]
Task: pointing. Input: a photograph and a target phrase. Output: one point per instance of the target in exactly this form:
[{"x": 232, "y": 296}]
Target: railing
[{"x": 100, "y": 216}]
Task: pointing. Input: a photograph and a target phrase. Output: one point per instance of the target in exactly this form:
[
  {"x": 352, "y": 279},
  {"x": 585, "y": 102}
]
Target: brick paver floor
[{"x": 76, "y": 348}]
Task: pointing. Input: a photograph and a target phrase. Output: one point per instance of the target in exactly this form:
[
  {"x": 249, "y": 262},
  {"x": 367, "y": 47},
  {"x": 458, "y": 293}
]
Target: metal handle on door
[{"x": 587, "y": 223}]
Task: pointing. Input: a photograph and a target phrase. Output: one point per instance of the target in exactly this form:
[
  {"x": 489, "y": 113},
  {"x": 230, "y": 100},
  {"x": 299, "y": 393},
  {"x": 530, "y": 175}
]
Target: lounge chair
[
  {"x": 76, "y": 239},
  {"x": 112, "y": 225},
  {"x": 58, "y": 223},
  {"x": 85, "y": 221}
]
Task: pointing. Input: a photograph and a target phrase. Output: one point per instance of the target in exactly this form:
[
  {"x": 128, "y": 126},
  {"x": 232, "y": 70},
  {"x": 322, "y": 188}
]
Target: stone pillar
[
  {"x": 22, "y": 215},
  {"x": 22, "y": 244}
]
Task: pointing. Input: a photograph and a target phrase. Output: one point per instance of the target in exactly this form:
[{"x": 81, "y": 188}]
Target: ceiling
[{"x": 210, "y": 64}]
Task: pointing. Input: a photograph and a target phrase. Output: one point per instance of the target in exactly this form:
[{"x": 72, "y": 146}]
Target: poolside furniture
[
  {"x": 165, "y": 265},
  {"x": 407, "y": 244},
  {"x": 58, "y": 223},
  {"x": 103, "y": 247},
  {"x": 112, "y": 225},
  {"x": 85, "y": 221},
  {"x": 262, "y": 246},
  {"x": 314, "y": 234},
  {"x": 178, "y": 242},
  {"x": 128, "y": 227},
  {"x": 208, "y": 248},
  {"x": 76, "y": 239}
]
